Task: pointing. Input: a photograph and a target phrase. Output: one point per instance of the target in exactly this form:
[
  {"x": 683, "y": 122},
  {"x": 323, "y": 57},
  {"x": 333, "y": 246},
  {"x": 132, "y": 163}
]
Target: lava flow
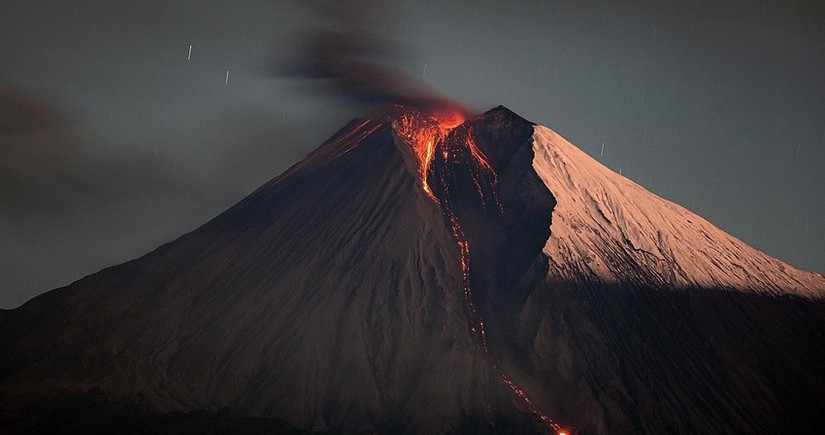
[
  {"x": 423, "y": 133},
  {"x": 432, "y": 136}
]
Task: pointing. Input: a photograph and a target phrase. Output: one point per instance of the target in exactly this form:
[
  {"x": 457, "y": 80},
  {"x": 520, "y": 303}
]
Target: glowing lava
[{"x": 426, "y": 134}]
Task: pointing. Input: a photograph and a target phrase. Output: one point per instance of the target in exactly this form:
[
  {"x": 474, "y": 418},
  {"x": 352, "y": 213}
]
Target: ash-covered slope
[
  {"x": 652, "y": 320},
  {"x": 336, "y": 297},
  {"x": 610, "y": 229}
]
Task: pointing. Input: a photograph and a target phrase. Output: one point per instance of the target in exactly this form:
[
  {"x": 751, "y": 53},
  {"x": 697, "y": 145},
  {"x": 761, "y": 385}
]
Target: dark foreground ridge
[
  {"x": 331, "y": 300},
  {"x": 93, "y": 413}
]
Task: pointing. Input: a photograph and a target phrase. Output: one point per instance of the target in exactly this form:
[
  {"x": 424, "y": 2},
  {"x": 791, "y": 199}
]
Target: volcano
[{"x": 426, "y": 273}]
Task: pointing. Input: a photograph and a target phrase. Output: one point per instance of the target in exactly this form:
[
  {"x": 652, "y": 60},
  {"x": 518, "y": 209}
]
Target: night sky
[{"x": 115, "y": 139}]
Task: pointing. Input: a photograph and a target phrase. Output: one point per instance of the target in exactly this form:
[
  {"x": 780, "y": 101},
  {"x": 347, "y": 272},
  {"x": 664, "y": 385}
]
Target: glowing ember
[{"x": 425, "y": 133}]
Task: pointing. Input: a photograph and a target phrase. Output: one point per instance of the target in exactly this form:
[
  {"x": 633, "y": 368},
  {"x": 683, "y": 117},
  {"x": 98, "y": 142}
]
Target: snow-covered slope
[{"x": 606, "y": 227}]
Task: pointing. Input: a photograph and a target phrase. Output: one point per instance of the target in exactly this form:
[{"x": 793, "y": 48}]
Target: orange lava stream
[{"x": 424, "y": 133}]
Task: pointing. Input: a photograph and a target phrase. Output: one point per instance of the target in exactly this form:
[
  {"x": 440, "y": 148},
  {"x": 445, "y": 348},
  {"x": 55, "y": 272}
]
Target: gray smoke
[{"x": 349, "y": 47}]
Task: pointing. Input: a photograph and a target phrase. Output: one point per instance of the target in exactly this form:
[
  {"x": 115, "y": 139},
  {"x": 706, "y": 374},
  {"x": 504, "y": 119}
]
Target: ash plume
[{"x": 349, "y": 46}]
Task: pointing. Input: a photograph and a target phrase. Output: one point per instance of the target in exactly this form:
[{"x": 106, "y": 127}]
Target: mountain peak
[
  {"x": 502, "y": 111},
  {"x": 605, "y": 226}
]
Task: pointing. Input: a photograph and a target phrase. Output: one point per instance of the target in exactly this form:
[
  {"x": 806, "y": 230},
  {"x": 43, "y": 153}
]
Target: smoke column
[{"x": 349, "y": 49}]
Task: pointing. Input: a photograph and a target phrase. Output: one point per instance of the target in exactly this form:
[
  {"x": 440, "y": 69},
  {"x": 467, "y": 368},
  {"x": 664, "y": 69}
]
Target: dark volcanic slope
[
  {"x": 332, "y": 298},
  {"x": 632, "y": 359}
]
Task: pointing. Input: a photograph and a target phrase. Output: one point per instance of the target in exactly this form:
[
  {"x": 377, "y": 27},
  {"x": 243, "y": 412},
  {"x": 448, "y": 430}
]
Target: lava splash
[{"x": 444, "y": 138}]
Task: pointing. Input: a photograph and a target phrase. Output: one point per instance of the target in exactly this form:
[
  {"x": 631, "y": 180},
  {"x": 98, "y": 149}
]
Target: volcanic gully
[{"x": 426, "y": 273}]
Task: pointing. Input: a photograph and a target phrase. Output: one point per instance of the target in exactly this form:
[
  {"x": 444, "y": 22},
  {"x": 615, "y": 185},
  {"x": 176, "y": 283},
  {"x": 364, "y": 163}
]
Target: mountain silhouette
[{"x": 485, "y": 277}]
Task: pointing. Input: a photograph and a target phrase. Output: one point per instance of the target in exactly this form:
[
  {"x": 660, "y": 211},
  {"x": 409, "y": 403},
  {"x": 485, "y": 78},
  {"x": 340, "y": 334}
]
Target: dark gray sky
[{"x": 113, "y": 142}]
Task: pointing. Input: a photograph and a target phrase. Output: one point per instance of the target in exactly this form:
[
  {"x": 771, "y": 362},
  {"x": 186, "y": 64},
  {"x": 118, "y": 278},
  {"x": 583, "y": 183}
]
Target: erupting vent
[{"x": 447, "y": 137}]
